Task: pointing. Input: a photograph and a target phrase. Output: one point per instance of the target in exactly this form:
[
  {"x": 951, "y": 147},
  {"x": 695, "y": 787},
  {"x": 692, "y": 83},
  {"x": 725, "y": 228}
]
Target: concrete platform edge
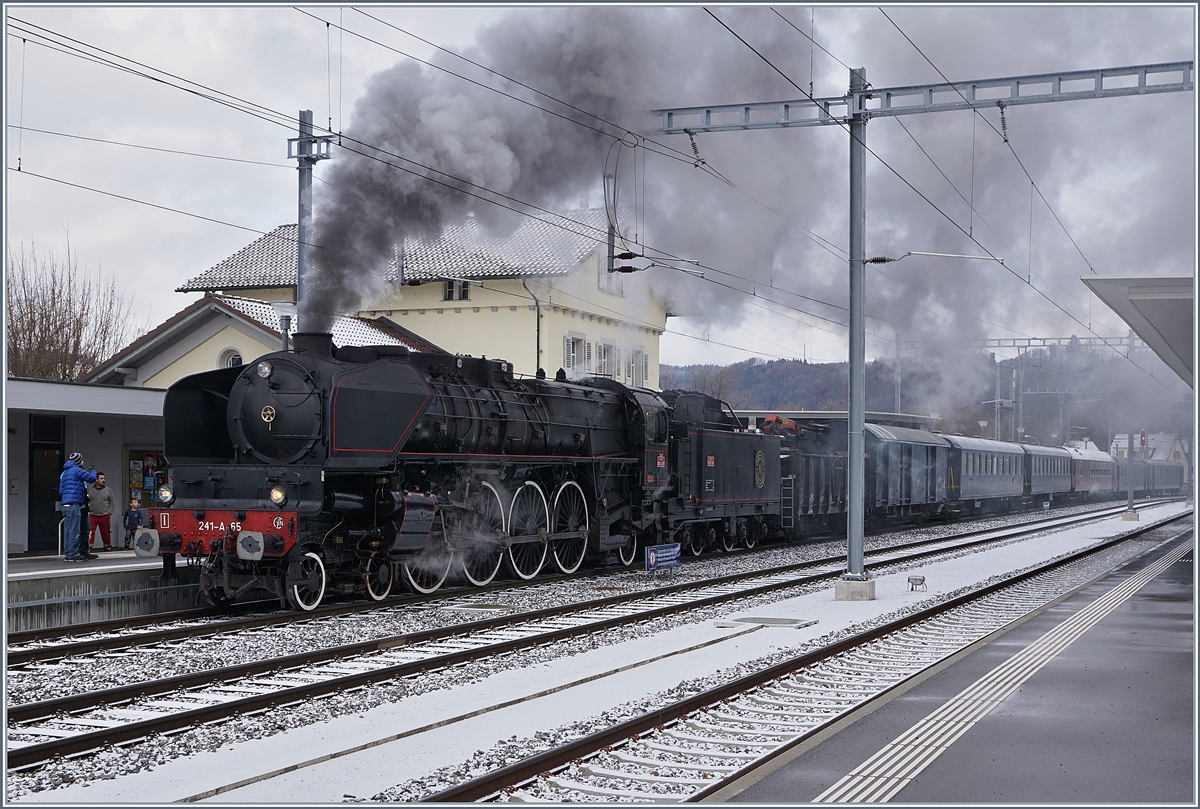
[{"x": 798, "y": 747}]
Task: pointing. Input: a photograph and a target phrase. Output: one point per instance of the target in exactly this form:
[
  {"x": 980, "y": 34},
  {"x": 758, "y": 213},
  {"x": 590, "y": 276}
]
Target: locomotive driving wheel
[
  {"x": 379, "y": 578},
  {"x": 528, "y": 516},
  {"x": 570, "y": 514},
  {"x": 696, "y": 536},
  {"x": 427, "y": 571},
  {"x": 306, "y": 582},
  {"x": 480, "y": 554}
]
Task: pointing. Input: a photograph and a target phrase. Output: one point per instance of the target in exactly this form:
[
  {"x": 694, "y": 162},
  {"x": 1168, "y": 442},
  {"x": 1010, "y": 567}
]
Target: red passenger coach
[{"x": 1091, "y": 474}]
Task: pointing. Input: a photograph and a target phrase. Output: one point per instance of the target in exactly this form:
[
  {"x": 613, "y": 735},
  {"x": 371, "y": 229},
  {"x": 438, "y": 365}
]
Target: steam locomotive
[
  {"x": 341, "y": 470},
  {"x": 327, "y": 470}
]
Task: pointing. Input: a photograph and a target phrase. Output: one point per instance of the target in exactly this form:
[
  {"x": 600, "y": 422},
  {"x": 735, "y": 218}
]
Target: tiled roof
[
  {"x": 1158, "y": 445},
  {"x": 347, "y": 331},
  {"x": 269, "y": 261},
  {"x": 352, "y": 331},
  {"x": 465, "y": 250}
]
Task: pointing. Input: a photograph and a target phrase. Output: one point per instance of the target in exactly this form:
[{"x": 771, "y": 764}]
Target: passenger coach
[{"x": 983, "y": 474}]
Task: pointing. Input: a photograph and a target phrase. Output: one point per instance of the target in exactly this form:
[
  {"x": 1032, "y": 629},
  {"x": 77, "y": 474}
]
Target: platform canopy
[{"x": 1159, "y": 310}]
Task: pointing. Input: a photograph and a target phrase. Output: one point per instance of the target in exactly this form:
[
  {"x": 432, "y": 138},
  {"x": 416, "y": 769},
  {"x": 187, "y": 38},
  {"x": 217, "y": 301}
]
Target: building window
[
  {"x": 577, "y": 354},
  {"x": 635, "y": 360},
  {"x": 612, "y": 282},
  {"x": 229, "y": 358},
  {"x": 605, "y": 357},
  {"x": 456, "y": 290}
]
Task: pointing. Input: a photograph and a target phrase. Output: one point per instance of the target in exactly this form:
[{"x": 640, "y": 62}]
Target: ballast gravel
[
  {"x": 517, "y": 748},
  {"x": 72, "y": 675},
  {"x": 147, "y": 754}
]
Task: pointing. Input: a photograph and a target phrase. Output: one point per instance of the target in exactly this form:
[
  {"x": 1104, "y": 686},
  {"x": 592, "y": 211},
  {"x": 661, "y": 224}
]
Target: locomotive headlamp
[
  {"x": 279, "y": 496},
  {"x": 166, "y": 495},
  {"x": 264, "y": 369}
]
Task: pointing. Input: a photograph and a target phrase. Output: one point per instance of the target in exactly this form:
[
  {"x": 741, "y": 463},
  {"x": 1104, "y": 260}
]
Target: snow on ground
[{"x": 401, "y": 741}]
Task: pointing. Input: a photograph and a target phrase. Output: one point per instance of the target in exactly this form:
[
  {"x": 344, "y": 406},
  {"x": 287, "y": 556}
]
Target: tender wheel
[
  {"x": 696, "y": 540},
  {"x": 570, "y": 514},
  {"x": 753, "y": 530},
  {"x": 481, "y": 558},
  {"x": 428, "y": 570},
  {"x": 628, "y": 552},
  {"x": 379, "y": 578},
  {"x": 528, "y": 516},
  {"x": 729, "y": 539},
  {"x": 306, "y": 582}
]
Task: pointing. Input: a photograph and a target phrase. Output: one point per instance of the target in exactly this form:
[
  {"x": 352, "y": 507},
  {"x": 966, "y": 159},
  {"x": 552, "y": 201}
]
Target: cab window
[{"x": 656, "y": 427}]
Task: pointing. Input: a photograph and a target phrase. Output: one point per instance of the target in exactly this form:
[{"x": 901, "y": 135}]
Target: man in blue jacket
[{"x": 72, "y": 490}]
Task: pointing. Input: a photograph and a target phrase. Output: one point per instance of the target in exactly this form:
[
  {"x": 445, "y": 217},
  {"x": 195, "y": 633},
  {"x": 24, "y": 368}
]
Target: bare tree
[
  {"x": 718, "y": 381},
  {"x": 62, "y": 321}
]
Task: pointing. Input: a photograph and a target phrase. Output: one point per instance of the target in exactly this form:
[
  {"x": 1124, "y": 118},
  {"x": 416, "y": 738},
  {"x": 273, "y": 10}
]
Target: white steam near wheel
[{"x": 481, "y": 559}]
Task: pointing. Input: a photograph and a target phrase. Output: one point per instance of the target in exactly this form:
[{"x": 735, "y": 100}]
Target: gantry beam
[
  {"x": 1038, "y": 88},
  {"x": 1029, "y": 342}
]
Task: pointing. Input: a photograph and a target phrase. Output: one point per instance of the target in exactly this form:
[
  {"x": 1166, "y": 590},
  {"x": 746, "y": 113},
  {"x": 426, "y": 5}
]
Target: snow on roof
[
  {"x": 347, "y": 331},
  {"x": 1159, "y": 446},
  {"x": 1089, "y": 454},
  {"x": 269, "y": 261},
  {"x": 547, "y": 245}
]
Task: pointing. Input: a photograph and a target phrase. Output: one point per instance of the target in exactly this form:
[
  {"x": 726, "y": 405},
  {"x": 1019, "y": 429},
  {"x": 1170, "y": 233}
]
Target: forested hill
[
  {"x": 1068, "y": 390},
  {"x": 792, "y": 384}
]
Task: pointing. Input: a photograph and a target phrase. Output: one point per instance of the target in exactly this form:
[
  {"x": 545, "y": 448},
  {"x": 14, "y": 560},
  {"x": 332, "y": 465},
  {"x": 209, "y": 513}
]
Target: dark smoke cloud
[{"x": 1119, "y": 172}]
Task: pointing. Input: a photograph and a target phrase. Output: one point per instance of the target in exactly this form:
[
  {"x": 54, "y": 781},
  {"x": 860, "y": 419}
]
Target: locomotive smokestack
[{"x": 314, "y": 343}]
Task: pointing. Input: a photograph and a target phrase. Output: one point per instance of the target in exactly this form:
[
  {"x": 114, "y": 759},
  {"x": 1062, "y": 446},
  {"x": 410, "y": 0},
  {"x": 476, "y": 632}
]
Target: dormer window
[
  {"x": 456, "y": 290},
  {"x": 229, "y": 358}
]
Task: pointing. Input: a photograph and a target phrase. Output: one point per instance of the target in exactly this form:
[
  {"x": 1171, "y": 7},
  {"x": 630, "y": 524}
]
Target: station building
[{"x": 540, "y": 296}]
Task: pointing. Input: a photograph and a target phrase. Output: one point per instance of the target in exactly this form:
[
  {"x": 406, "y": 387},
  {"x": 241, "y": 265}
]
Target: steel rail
[
  {"x": 22, "y": 656},
  {"x": 52, "y": 633},
  {"x": 21, "y": 757},
  {"x": 118, "y": 642},
  {"x": 491, "y": 784}
]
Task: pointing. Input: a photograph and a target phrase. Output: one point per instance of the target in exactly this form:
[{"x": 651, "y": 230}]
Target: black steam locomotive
[{"x": 338, "y": 470}]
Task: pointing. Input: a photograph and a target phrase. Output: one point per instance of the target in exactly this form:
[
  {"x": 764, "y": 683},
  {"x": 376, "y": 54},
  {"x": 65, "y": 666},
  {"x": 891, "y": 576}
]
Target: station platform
[
  {"x": 48, "y": 591},
  {"x": 1107, "y": 717},
  {"x": 32, "y": 566}
]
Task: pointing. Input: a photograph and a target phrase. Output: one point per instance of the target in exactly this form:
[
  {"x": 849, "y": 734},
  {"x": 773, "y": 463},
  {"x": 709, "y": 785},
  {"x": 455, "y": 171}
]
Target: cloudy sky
[{"x": 1113, "y": 180}]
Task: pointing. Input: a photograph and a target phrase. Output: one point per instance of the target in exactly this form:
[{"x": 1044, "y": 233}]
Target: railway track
[
  {"x": 698, "y": 748},
  {"x": 139, "y": 630},
  {"x": 71, "y": 725},
  {"x": 44, "y": 645}
]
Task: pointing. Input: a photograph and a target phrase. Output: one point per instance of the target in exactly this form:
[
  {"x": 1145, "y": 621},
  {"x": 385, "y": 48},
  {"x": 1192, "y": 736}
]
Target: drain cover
[{"x": 794, "y": 623}]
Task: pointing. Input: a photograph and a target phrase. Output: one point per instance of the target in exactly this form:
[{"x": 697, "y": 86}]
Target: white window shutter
[
  {"x": 588, "y": 362},
  {"x": 617, "y": 368},
  {"x": 645, "y": 370},
  {"x": 568, "y": 353}
]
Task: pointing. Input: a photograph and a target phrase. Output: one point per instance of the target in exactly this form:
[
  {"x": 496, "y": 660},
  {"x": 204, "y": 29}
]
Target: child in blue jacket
[{"x": 133, "y": 521}]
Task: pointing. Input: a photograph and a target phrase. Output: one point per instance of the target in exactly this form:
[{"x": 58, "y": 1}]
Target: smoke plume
[{"x": 779, "y": 226}]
